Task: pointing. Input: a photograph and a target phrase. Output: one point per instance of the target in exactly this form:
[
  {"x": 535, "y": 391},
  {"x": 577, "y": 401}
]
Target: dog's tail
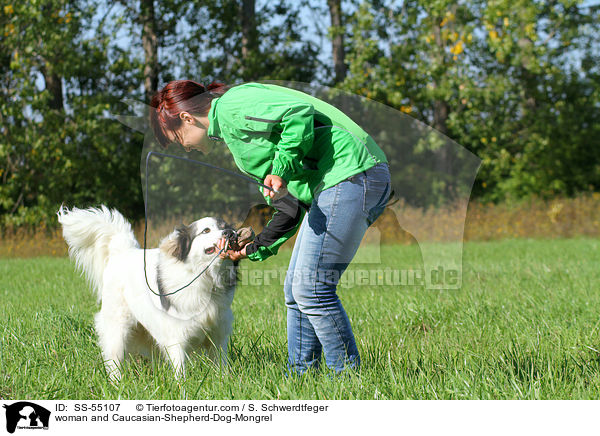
[{"x": 92, "y": 235}]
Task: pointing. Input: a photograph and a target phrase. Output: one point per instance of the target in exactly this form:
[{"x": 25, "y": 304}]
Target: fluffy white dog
[{"x": 132, "y": 318}]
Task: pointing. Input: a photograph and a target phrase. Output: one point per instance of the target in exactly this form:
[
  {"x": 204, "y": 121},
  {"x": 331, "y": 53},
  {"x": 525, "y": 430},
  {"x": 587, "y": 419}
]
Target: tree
[
  {"x": 337, "y": 32},
  {"x": 58, "y": 143}
]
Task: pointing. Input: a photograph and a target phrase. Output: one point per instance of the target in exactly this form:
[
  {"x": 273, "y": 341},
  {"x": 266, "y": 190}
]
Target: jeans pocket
[{"x": 377, "y": 189}]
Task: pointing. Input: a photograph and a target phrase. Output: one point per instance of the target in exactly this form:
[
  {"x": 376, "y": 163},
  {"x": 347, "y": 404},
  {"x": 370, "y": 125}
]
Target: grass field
[{"x": 526, "y": 324}]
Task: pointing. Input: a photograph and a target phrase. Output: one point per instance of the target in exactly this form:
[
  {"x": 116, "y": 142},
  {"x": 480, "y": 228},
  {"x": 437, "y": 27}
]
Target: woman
[{"x": 314, "y": 158}]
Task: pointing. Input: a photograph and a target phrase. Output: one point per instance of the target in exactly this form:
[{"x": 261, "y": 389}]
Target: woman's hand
[
  {"x": 278, "y": 184},
  {"x": 231, "y": 254}
]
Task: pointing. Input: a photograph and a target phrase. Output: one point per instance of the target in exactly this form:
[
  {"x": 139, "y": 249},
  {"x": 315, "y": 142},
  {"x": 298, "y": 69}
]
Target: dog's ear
[{"x": 178, "y": 245}]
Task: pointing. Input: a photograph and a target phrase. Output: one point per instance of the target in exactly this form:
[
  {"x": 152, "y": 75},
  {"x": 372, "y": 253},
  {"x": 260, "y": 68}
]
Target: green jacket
[{"x": 309, "y": 143}]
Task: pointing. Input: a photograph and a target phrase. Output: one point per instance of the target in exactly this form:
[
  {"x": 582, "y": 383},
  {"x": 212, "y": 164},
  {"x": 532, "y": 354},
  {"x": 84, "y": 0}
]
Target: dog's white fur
[{"x": 132, "y": 319}]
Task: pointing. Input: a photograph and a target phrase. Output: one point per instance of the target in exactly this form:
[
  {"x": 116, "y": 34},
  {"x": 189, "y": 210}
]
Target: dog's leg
[
  {"x": 113, "y": 348},
  {"x": 221, "y": 339},
  {"x": 215, "y": 345},
  {"x": 113, "y": 329},
  {"x": 222, "y": 354},
  {"x": 177, "y": 355}
]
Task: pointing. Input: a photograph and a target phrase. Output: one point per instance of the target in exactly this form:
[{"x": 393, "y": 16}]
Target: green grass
[{"x": 524, "y": 325}]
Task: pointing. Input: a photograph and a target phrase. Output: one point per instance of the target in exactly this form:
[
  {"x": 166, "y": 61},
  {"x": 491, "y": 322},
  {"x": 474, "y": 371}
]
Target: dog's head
[{"x": 198, "y": 241}]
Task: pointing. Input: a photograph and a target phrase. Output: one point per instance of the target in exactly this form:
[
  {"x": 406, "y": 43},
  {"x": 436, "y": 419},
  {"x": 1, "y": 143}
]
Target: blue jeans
[{"x": 328, "y": 239}]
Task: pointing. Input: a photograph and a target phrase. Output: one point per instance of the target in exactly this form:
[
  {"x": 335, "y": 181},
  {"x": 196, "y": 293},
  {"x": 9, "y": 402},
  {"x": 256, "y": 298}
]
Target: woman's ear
[{"x": 186, "y": 117}]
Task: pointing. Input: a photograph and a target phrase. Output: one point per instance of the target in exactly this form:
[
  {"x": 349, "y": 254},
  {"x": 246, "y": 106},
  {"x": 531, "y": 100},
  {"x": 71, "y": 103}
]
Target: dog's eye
[{"x": 206, "y": 230}]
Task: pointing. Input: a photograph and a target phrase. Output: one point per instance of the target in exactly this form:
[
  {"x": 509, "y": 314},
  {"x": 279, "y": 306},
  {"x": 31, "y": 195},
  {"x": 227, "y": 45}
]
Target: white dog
[{"x": 134, "y": 319}]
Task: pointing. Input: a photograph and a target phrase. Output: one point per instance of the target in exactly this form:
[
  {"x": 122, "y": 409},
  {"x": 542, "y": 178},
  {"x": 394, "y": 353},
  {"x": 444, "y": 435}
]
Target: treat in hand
[{"x": 245, "y": 235}]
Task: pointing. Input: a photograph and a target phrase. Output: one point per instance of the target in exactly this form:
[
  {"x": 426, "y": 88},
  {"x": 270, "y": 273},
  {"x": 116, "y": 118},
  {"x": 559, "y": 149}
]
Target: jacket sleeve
[
  {"x": 282, "y": 226},
  {"x": 294, "y": 119}
]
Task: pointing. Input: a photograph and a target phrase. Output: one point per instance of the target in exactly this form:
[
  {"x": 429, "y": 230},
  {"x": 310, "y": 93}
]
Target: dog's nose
[{"x": 229, "y": 233}]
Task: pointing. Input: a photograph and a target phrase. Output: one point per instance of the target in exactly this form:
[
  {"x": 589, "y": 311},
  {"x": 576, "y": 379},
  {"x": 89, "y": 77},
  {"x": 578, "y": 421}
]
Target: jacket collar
[{"x": 214, "y": 130}]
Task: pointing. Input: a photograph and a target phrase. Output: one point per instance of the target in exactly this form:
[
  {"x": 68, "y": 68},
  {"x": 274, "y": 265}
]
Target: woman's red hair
[{"x": 176, "y": 97}]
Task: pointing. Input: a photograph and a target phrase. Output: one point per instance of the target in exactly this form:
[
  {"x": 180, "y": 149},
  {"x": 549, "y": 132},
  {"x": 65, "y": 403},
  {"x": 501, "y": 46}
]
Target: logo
[{"x": 26, "y": 415}]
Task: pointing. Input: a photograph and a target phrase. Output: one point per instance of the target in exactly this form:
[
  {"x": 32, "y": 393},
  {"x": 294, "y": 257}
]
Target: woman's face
[{"x": 192, "y": 132}]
